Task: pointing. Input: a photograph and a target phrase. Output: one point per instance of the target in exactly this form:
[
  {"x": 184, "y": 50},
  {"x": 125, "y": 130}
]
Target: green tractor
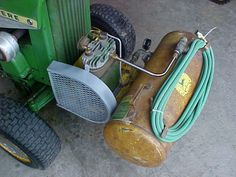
[
  {"x": 40, "y": 41},
  {"x": 82, "y": 56}
]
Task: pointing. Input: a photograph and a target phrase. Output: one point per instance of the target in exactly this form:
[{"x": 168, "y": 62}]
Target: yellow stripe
[{"x": 21, "y": 19}]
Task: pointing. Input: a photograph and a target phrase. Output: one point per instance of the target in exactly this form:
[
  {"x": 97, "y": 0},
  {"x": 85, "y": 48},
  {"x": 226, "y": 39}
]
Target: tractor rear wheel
[
  {"x": 112, "y": 21},
  {"x": 25, "y": 136}
]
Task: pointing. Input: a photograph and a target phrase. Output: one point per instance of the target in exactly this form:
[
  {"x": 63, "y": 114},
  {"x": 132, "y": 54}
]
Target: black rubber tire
[
  {"x": 112, "y": 21},
  {"x": 29, "y": 133},
  {"x": 220, "y": 2}
]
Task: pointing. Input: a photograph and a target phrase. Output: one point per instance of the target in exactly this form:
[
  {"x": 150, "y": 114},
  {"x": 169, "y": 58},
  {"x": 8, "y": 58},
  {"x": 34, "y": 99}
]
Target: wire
[{"x": 210, "y": 31}]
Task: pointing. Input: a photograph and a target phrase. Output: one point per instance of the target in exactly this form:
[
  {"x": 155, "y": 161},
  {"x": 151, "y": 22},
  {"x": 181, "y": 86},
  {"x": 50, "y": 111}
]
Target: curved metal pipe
[{"x": 114, "y": 56}]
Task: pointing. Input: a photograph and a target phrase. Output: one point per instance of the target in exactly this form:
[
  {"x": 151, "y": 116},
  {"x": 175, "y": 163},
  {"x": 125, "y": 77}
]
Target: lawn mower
[{"x": 83, "y": 56}]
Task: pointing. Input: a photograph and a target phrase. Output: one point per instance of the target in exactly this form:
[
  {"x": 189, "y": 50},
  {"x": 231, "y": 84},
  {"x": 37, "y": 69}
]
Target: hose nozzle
[{"x": 181, "y": 46}]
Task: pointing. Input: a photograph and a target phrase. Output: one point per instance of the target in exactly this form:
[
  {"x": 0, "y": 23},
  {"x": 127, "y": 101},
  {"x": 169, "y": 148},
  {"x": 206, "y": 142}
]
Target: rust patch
[{"x": 140, "y": 146}]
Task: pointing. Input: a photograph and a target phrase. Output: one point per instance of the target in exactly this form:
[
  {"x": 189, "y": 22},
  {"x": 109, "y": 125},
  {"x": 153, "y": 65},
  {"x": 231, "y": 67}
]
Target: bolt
[{"x": 30, "y": 22}]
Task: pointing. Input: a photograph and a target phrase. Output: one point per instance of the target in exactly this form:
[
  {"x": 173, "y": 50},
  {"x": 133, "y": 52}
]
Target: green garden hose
[{"x": 197, "y": 101}]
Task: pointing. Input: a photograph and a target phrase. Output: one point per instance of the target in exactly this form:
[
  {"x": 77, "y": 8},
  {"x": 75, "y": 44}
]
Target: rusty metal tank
[{"x": 129, "y": 133}]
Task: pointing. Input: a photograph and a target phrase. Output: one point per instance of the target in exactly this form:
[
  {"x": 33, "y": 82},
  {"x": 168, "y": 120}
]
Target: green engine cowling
[{"x": 52, "y": 29}]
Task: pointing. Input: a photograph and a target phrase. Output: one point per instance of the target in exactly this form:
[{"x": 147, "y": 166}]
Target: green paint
[
  {"x": 17, "y": 67},
  {"x": 60, "y": 24},
  {"x": 70, "y": 20},
  {"x": 40, "y": 98},
  {"x": 26, "y": 8},
  {"x": 39, "y": 49},
  {"x": 123, "y": 108},
  {"x": 111, "y": 77}
]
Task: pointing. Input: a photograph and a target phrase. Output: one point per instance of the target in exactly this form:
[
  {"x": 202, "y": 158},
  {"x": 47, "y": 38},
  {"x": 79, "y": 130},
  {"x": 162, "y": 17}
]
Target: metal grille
[{"x": 81, "y": 93}]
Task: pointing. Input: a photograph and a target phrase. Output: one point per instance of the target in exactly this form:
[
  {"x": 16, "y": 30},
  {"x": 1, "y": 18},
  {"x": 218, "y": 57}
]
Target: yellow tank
[{"x": 129, "y": 132}]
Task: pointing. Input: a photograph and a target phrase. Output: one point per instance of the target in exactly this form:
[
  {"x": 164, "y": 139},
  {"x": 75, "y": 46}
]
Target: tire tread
[
  {"x": 116, "y": 23},
  {"x": 29, "y": 132}
]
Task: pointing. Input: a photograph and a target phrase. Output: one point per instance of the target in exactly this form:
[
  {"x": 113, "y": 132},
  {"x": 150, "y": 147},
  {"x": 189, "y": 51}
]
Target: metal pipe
[
  {"x": 181, "y": 45},
  {"x": 120, "y": 43},
  {"x": 18, "y": 33},
  {"x": 114, "y": 56},
  {"x": 120, "y": 52}
]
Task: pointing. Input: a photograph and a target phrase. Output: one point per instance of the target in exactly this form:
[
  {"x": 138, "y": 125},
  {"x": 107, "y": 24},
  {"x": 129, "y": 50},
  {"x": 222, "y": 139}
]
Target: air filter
[{"x": 81, "y": 92}]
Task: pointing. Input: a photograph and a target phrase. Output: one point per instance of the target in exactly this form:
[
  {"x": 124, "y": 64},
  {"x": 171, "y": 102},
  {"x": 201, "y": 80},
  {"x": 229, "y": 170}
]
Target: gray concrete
[{"x": 208, "y": 150}]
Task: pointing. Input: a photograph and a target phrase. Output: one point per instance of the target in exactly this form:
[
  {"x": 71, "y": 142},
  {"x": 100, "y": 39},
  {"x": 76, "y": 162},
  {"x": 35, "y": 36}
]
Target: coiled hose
[{"x": 197, "y": 101}]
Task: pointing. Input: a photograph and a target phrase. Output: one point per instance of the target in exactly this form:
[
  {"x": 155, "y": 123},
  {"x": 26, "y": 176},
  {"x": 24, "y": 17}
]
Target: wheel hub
[{"x": 13, "y": 150}]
